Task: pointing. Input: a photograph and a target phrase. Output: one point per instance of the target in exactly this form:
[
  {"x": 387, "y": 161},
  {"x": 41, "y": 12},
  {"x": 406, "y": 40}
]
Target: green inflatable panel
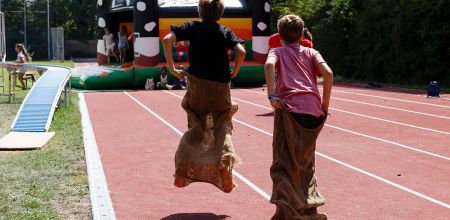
[
  {"x": 126, "y": 76},
  {"x": 102, "y": 77}
]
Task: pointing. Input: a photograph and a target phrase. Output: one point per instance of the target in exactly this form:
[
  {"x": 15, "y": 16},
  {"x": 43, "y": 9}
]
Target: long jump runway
[{"x": 381, "y": 155}]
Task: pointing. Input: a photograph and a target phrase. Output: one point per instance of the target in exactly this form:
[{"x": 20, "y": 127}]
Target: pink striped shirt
[{"x": 296, "y": 78}]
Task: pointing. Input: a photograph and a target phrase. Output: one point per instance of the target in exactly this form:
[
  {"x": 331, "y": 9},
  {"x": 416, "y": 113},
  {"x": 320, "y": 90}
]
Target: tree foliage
[
  {"x": 77, "y": 17},
  {"x": 390, "y": 41}
]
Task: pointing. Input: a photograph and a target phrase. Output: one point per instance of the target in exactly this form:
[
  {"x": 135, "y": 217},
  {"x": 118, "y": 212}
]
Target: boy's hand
[
  {"x": 180, "y": 74},
  {"x": 239, "y": 50},
  {"x": 276, "y": 103},
  {"x": 234, "y": 74},
  {"x": 325, "y": 108}
]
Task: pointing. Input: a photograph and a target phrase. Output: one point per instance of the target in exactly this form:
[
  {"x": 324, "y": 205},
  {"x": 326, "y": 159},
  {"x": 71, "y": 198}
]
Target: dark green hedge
[{"x": 388, "y": 41}]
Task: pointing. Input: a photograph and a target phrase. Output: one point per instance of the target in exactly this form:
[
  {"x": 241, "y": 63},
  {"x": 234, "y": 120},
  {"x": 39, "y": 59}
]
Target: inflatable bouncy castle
[{"x": 148, "y": 21}]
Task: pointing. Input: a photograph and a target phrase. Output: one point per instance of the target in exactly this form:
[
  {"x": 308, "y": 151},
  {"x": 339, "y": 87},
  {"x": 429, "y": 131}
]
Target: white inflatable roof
[{"x": 194, "y": 3}]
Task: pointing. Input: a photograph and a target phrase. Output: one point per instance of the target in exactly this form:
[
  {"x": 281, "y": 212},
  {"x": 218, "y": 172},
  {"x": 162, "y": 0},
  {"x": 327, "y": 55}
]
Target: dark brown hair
[
  {"x": 290, "y": 28},
  {"x": 211, "y": 9},
  {"x": 24, "y": 51},
  {"x": 307, "y": 34}
]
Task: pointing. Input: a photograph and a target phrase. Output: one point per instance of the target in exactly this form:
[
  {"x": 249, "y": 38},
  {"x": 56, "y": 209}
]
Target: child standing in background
[
  {"x": 300, "y": 114},
  {"x": 110, "y": 44},
  {"x": 307, "y": 39},
  {"x": 123, "y": 43},
  {"x": 205, "y": 152}
]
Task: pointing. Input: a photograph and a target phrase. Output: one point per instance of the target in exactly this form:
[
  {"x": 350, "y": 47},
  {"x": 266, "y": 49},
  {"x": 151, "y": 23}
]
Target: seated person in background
[
  {"x": 166, "y": 84},
  {"x": 22, "y": 57}
]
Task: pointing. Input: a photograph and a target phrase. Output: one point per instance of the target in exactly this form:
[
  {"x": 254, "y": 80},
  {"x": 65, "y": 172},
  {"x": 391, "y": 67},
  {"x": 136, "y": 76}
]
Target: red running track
[{"x": 137, "y": 152}]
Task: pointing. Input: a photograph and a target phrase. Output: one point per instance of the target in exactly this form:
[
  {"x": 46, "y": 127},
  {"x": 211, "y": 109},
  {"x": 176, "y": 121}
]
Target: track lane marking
[
  {"x": 390, "y": 121},
  {"x": 367, "y": 116},
  {"x": 101, "y": 203},
  {"x": 363, "y": 135},
  {"x": 370, "y": 104},
  {"x": 395, "y": 99},
  {"x": 238, "y": 175}
]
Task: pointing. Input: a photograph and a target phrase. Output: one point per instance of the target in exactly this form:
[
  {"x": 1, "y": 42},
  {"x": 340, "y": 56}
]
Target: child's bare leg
[
  {"x": 121, "y": 55},
  {"x": 115, "y": 55},
  {"x": 108, "y": 56},
  {"x": 124, "y": 52},
  {"x": 22, "y": 80},
  {"x": 226, "y": 172}
]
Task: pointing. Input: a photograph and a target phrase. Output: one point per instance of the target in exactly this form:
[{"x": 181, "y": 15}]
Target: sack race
[
  {"x": 205, "y": 152},
  {"x": 294, "y": 192}
]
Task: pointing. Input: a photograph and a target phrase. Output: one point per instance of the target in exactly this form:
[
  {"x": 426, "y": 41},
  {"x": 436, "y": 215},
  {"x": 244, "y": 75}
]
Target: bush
[{"x": 399, "y": 42}]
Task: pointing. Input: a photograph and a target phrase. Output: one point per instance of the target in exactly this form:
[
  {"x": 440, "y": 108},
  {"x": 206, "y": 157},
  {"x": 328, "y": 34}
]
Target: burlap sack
[
  {"x": 292, "y": 171},
  {"x": 205, "y": 150}
]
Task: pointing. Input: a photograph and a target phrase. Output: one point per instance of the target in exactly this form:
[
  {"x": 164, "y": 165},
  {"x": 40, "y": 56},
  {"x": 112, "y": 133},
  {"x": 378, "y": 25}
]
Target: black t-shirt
[{"x": 208, "y": 46}]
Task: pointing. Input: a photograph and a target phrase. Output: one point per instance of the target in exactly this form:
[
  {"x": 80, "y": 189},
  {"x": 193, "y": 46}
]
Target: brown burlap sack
[
  {"x": 205, "y": 152},
  {"x": 294, "y": 192}
]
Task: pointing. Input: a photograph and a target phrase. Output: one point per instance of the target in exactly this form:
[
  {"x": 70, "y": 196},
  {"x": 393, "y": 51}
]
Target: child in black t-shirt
[
  {"x": 208, "y": 45},
  {"x": 205, "y": 153}
]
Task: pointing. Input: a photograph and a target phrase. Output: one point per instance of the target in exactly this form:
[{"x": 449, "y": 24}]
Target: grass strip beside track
[{"x": 50, "y": 183}]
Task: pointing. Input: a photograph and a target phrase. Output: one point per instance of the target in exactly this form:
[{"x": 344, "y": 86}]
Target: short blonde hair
[
  {"x": 290, "y": 28},
  {"x": 211, "y": 9}
]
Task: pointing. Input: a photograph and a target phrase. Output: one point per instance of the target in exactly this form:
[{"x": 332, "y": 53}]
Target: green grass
[
  {"x": 50, "y": 183},
  {"x": 66, "y": 63}
]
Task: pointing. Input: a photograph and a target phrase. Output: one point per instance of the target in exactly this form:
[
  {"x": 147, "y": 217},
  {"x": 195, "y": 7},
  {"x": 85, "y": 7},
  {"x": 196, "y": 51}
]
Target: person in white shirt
[{"x": 110, "y": 44}]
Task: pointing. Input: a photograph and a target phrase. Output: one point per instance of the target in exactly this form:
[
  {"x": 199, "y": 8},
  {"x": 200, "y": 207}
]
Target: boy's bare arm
[
  {"x": 168, "y": 41},
  {"x": 327, "y": 74},
  {"x": 240, "y": 52},
  {"x": 269, "y": 72}
]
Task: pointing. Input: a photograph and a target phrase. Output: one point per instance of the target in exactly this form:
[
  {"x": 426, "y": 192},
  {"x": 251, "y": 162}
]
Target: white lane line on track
[
  {"x": 370, "y": 104},
  {"x": 101, "y": 203},
  {"x": 238, "y": 175},
  {"x": 361, "y": 115},
  {"x": 406, "y": 189},
  {"x": 363, "y": 135},
  {"x": 393, "y": 122},
  {"x": 388, "y": 98},
  {"x": 392, "y": 108},
  {"x": 265, "y": 132}
]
